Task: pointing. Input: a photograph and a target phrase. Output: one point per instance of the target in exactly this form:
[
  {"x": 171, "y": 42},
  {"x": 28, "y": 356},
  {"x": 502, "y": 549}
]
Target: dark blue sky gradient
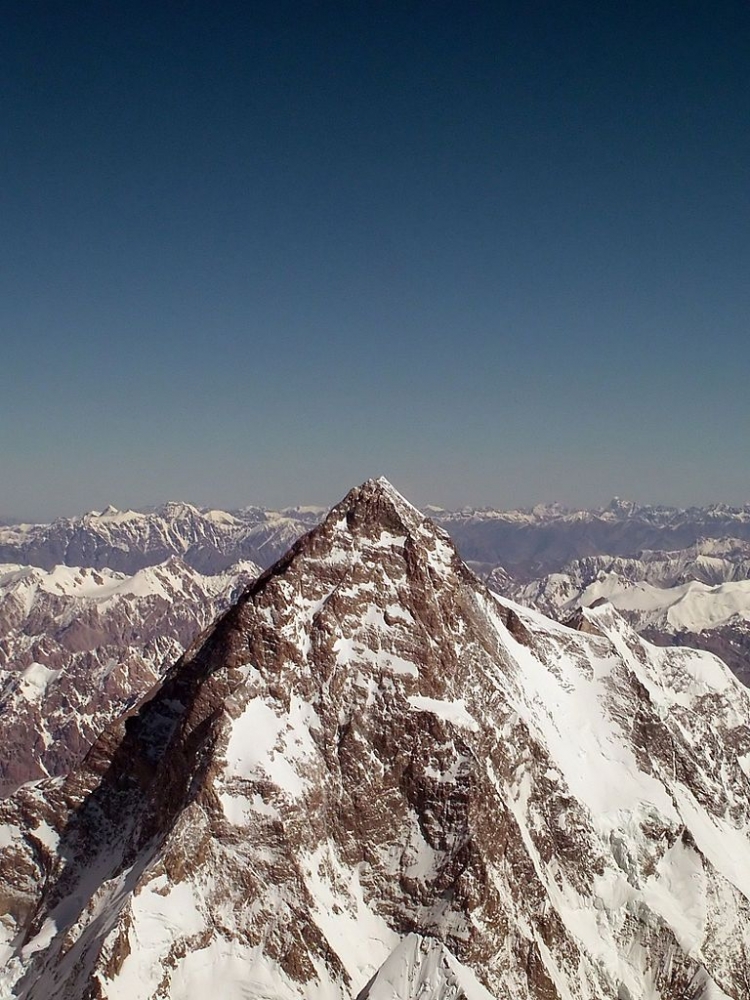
[{"x": 258, "y": 252}]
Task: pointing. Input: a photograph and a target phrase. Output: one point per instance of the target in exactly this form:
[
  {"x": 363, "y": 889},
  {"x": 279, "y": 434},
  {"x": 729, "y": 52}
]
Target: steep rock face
[
  {"x": 80, "y": 646},
  {"x": 375, "y": 779}
]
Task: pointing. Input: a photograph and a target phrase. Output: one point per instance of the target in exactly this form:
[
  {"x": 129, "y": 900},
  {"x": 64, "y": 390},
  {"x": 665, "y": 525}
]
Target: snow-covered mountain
[
  {"x": 699, "y": 596},
  {"x": 126, "y": 541},
  {"x": 373, "y": 778},
  {"x": 79, "y": 645},
  {"x": 709, "y": 563},
  {"x": 693, "y": 606},
  {"x": 531, "y": 544},
  {"x": 552, "y": 558}
]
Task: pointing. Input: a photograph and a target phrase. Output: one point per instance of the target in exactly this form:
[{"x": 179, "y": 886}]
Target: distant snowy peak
[
  {"x": 373, "y": 779},
  {"x": 167, "y": 580},
  {"x": 693, "y": 607},
  {"x": 127, "y": 541}
]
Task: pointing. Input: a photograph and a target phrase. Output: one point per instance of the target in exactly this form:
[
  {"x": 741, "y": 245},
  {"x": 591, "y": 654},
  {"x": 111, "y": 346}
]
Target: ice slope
[{"x": 423, "y": 967}]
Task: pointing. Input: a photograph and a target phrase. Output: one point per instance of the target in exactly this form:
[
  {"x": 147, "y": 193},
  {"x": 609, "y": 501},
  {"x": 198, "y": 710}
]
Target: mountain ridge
[
  {"x": 369, "y": 751},
  {"x": 534, "y": 540}
]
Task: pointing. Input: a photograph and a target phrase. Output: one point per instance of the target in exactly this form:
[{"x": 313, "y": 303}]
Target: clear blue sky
[{"x": 258, "y": 252}]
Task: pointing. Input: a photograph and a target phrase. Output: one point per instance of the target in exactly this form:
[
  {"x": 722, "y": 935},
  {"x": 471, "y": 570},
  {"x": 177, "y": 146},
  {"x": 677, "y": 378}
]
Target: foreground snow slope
[{"x": 374, "y": 778}]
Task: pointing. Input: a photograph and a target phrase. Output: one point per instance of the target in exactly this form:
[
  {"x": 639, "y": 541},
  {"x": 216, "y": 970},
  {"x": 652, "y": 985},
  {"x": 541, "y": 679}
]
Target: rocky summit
[{"x": 373, "y": 778}]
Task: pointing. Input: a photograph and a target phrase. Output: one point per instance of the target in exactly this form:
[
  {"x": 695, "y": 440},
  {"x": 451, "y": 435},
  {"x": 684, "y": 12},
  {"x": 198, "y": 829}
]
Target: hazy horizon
[{"x": 147, "y": 505}]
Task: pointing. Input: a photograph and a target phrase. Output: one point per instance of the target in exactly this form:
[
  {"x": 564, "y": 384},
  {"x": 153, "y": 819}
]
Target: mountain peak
[
  {"x": 373, "y": 529},
  {"x": 178, "y": 508},
  {"x": 619, "y": 505},
  {"x": 378, "y": 502},
  {"x": 372, "y": 779},
  {"x": 382, "y": 487}
]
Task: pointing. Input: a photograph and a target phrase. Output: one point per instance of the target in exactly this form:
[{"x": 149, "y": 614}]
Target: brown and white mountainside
[
  {"x": 79, "y": 646},
  {"x": 128, "y": 540},
  {"x": 375, "y": 779},
  {"x": 697, "y": 597}
]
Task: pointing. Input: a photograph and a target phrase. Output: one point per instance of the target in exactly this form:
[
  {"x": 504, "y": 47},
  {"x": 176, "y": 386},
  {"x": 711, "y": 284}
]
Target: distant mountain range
[
  {"x": 529, "y": 544},
  {"x": 210, "y": 541}
]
